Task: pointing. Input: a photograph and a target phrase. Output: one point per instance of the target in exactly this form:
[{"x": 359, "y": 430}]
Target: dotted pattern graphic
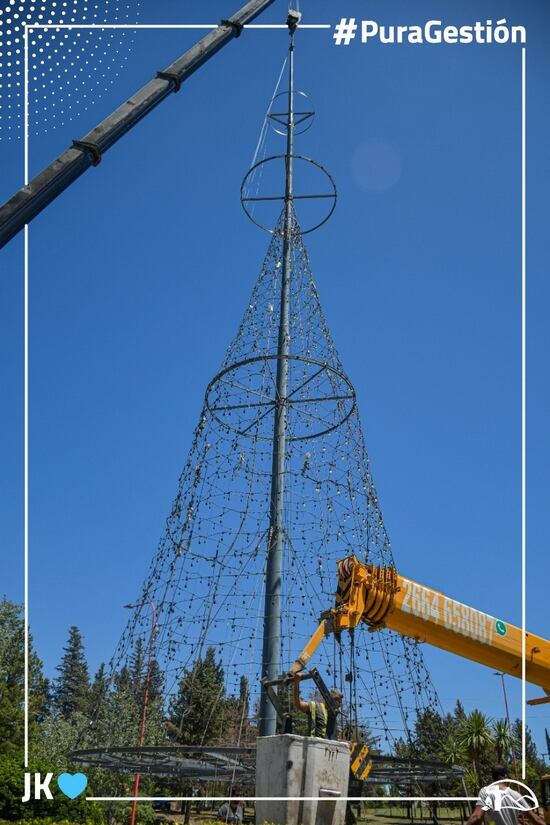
[{"x": 68, "y": 69}]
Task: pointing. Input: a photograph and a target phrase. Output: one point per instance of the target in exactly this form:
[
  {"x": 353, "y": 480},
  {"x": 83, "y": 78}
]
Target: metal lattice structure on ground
[
  {"x": 237, "y": 765},
  {"x": 277, "y": 485}
]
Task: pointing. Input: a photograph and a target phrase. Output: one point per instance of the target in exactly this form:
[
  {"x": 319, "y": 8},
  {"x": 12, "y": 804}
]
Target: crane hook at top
[{"x": 293, "y": 20}]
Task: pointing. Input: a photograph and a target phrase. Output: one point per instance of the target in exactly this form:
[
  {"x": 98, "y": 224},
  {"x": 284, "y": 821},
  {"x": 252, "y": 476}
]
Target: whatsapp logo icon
[{"x": 500, "y": 628}]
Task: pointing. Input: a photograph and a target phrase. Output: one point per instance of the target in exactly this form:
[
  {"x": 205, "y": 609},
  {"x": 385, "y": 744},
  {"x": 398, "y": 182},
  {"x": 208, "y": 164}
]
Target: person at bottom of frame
[
  {"x": 322, "y": 723},
  {"x": 499, "y": 804},
  {"x": 232, "y": 812}
]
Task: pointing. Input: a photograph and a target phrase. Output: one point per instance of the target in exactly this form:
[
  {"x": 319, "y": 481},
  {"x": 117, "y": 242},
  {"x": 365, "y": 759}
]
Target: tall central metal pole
[{"x": 273, "y": 585}]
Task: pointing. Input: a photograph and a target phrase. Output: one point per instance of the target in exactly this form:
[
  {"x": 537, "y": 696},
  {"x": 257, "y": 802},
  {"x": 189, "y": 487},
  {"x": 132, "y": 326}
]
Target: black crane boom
[{"x": 22, "y": 207}]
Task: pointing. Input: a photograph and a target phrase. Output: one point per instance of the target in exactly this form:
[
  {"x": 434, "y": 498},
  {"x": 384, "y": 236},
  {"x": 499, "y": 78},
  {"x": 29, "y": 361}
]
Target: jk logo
[
  {"x": 41, "y": 786},
  {"x": 70, "y": 784}
]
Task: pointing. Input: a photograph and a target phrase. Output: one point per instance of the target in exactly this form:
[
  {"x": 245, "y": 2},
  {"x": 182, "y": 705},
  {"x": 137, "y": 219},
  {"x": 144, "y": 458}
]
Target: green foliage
[
  {"x": 98, "y": 690},
  {"x": 71, "y": 689},
  {"x": 56, "y": 737},
  {"x": 11, "y": 786},
  {"x": 503, "y": 740},
  {"x": 531, "y": 753},
  {"x": 238, "y": 727},
  {"x": 111, "y": 783},
  {"x": 198, "y": 713},
  {"x": 145, "y": 670},
  {"x": 432, "y": 732},
  {"x": 476, "y": 738},
  {"x": 120, "y": 812},
  {"x": 459, "y": 712},
  {"x": 49, "y": 820},
  {"x": 471, "y": 780},
  {"x": 474, "y": 742},
  {"x": 117, "y": 714},
  {"x": 452, "y": 751},
  {"x": 12, "y": 664},
  {"x": 535, "y": 764}
]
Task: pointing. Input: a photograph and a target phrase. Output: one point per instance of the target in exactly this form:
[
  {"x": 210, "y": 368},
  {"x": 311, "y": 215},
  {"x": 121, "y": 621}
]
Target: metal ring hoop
[
  {"x": 210, "y": 762},
  {"x": 332, "y": 195},
  {"x": 274, "y": 357},
  {"x": 204, "y": 762},
  {"x": 308, "y": 117}
]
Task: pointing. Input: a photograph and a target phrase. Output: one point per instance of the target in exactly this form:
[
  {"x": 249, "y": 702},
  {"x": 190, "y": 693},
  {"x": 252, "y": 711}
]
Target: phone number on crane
[{"x": 436, "y": 608}]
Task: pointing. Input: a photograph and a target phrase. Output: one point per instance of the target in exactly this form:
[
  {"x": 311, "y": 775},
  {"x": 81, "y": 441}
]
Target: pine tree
[
  {"x": 12, "y": 669},
  {"x": 534, "y": 763},
  {"x": 71, "y": 690},
  {"x": 459, "y": 712},
  {"x": 156, "y": 683},
  {"x": 238, "y": 727},
  {"x": 138, "y": 666},
  {"x": 431, "y": 731},
  {"x": 198, "y": 712},
  {"x": 98, "y": 690},
  {"x": 244, "y": 696},
  {"x": 115, "y": 717}
]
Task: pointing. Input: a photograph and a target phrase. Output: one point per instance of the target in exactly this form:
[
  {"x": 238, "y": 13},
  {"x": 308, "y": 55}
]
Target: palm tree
[
  {"x": 502, "y": 738},
  {"x": 452, "y": 751},
  {"x": 475, "y": 737},
  {"x": 471, "y": 781}
]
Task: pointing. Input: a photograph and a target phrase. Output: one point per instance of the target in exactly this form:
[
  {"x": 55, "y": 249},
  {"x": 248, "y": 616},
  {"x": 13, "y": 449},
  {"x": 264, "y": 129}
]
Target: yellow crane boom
[{"x": 381, "y": 597}]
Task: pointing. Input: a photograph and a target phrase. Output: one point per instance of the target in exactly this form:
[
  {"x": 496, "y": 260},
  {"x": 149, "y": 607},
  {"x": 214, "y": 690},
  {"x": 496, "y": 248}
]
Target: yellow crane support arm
[{"x": 381, "y": 597}]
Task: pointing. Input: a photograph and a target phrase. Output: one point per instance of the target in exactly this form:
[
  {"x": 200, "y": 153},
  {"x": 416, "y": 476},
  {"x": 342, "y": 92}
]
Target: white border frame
[{"x": 28, "y": 27}]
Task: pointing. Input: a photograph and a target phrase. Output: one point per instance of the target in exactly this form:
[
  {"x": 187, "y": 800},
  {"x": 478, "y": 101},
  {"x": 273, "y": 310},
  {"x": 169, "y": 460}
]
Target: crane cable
[
  {"x": 353, "y": 689},
  {"x": 261, "y": 144},
  {"x": 341, "y": 674}
]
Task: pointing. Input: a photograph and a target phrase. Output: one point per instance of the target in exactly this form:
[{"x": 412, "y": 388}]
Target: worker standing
[
  {"x": 232, "y": 812},
  {"x": 322, "y": 722},
  {"x": 499, "y": 804}
]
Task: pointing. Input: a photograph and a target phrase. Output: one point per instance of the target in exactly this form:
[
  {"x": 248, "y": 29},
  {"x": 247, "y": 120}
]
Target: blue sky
[{"x": 140, "y": 272}]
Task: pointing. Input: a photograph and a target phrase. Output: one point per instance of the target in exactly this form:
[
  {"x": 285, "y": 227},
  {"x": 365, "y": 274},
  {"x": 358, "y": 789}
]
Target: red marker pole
[{"x": 145, "y": 699}]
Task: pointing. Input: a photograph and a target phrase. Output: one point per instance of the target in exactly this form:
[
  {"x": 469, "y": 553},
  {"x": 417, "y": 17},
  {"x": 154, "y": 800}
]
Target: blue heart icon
[{"x": 72, "y": 784}]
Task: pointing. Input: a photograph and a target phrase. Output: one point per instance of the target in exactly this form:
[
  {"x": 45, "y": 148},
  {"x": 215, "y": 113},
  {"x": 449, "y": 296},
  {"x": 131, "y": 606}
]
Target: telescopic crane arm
[
  {"x": 22, "y": 207},
  {"x": 380, "y": 597}
]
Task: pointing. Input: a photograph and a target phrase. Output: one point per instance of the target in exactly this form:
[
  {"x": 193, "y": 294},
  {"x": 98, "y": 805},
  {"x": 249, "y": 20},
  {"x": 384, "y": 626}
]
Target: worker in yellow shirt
[{"x": 322, "y": 722}]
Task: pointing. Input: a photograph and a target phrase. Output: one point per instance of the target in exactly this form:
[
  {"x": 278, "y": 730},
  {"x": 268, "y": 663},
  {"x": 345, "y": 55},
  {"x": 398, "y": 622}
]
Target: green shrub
[
  {"x": 49, "y": 820},
  {"x": 118, "y": 813}
]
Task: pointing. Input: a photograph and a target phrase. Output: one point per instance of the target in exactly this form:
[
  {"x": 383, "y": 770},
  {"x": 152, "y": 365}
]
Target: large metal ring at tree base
[
  {"x": 201, "y": 763},
  {"x": 262, "y": 403},
  {"x": 237, "y": 764},
  {"x": 246, "y": 199}
]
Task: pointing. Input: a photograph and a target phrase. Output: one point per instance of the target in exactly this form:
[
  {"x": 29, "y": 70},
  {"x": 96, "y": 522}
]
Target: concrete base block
[{"x": 301, "y": 766}]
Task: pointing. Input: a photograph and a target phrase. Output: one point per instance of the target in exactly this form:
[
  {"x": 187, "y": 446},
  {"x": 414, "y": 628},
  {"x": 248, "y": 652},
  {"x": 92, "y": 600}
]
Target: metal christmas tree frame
[{"x": 276, "y": 488}]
